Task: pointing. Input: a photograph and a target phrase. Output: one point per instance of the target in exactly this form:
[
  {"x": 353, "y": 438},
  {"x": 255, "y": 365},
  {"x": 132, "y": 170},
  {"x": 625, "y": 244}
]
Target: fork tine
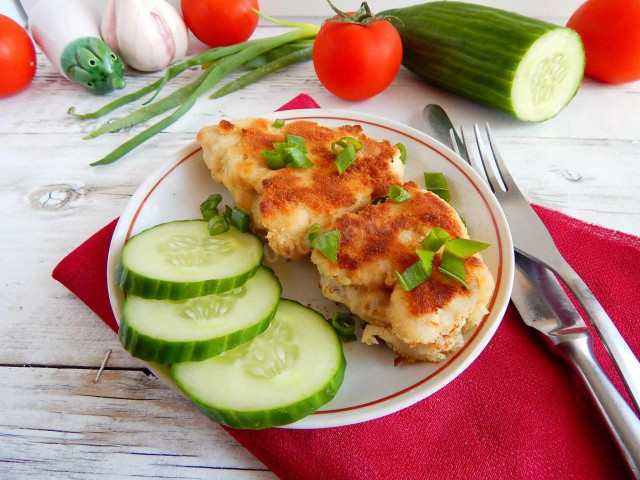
[
  {"x": 486, "y": 162},
  {"x": 454, "y": 145},
  {"x": 473, "y": 157},
  {"x": 507, "y": 179}
]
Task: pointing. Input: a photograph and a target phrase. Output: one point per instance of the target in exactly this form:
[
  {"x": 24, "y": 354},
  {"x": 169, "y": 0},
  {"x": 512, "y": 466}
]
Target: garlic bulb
[{"x": 148, "y": 34}]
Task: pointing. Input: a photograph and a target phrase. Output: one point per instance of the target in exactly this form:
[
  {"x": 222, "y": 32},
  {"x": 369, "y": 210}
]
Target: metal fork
[{"x": 532, "y": 239}]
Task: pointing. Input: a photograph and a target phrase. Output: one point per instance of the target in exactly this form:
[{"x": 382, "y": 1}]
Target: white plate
[{"x": 373, "y": 386}]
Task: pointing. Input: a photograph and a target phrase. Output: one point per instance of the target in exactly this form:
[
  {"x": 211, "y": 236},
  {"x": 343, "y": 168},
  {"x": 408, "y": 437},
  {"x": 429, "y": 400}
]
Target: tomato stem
[{"x": 362, "y": 16}]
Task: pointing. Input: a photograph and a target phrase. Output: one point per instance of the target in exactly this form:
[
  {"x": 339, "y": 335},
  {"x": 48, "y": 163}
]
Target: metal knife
[{"x": 544, "y": 305}]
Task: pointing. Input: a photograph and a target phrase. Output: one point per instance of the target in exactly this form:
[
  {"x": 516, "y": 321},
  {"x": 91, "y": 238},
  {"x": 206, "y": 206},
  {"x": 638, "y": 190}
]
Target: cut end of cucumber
[
  {"x": 548, "y": 76},
  {"x": 284, "y": 374}
]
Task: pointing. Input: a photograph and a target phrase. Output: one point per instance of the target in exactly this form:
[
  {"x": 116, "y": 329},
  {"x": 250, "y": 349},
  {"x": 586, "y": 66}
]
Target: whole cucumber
[{"x": 526, "y": 67}]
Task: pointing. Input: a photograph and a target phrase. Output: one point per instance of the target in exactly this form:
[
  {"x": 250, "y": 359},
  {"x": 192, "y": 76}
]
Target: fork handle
[
  {"x": 618, "y": 415},
  {"x": 619, "y": 351}
]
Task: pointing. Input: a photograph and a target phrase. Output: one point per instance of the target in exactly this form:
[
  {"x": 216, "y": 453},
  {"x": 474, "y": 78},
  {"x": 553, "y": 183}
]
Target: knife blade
[
  {"x": 439, "y": 127},
  {"x": 544, "y": 305}
]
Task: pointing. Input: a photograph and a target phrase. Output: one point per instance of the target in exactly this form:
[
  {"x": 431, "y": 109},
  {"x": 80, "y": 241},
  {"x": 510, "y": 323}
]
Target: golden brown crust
[
  {"x": 375, "y": 232},
  {"x": 283, "y": 204},
  {"x": 426, "y": 323},
  {"x": 435, "y": 293},
  {"x": 326, "y": 191}
]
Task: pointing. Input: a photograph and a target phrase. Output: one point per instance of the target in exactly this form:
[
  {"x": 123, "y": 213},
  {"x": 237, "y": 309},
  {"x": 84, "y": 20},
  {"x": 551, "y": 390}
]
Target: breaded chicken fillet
[
  {"x": 426, "y": 323},
  {"x": 283, "y": 204}
]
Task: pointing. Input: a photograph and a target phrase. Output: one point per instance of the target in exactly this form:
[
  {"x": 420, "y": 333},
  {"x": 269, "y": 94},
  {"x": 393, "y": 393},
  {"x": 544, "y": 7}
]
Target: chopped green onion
[
  {"x": 463, "y": 247},
  {"x": 297, "y": 141},
  {"x": 344, "y": 326},
  {"x": 237, "y": 217},
  {"x": 334, "y": 145},
  {"x": 347, "y": 155},
  {"x": 326, "y": 243},
  {"x": 291, "y": 151},
  {"x": 378, "y": 200},
  {"x": 463, "y": 221},
  {"x": 278, "y": 123},
  {"x": 273, "y": 159},
  {"x": 436, "y": 238},
  {"x": 436, "y": 183},
  {"x": 345, "y": 158},
  {"x": 313, "y": 231},
  {"x": 280, "y": 146},
  {"x": 413, "y": 276},
  {"x": 397, "y": 194},
  {"x": 403, "y": 152},
  {"x": 217, "y": 225},
  {"x": 455, "y": 251},
  {"x": 209, "y": 208},
  {"x": 453, "y": 267},
  {"x": 426, "y": 259},
  {"x": 356, "y": 144},
  {"x": 418, "y": 272},
  {"x": 296, "y": 158}
]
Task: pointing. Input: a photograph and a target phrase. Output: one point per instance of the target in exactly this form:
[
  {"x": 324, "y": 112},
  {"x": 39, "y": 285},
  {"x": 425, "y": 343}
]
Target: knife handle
[
  {"x": 623, "y": 358},
  {"x": 618, "y": 415}
]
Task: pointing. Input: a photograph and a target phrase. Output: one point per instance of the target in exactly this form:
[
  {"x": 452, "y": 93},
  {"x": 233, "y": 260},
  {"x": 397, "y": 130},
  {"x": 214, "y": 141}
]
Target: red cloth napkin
[{"x": 517, "y": 412}]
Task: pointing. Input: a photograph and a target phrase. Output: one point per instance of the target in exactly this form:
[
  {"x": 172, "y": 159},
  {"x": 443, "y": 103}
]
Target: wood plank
[
  {"x": 128, "y": 425},
  {"x": 577, "y": 178},
  {"x": 47, "y": 212}
]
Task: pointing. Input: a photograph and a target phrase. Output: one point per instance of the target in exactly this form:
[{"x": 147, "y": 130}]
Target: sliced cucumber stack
[
  {"x": 180, "y": 260},
  {"x": 284, "y": 374},
  {"x": 168, "y": 331}
]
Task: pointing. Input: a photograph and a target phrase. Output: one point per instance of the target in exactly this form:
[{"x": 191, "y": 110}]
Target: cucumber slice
[
  {"x": 168, "y": 331},
  {"x": 288, "y": 372},
  {"x": 179, "y": 260},
  {"x": 523, "y": 66}
]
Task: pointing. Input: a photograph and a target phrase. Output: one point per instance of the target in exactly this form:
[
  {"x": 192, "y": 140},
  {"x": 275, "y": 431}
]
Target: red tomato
[
  {"x": 17, "y": 57},
  {"x": 610, "y": 31},
  {"x": 356, "y": 61},
  {"x": 220, "y": 23}
]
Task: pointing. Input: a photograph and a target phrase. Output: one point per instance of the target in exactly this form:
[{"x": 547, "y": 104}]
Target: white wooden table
[{"x": 55, "y": 422}]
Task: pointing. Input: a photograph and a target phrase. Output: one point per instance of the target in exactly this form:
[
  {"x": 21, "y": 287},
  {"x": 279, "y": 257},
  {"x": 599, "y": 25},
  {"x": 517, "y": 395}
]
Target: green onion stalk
[{"x": 262, "y": 56}]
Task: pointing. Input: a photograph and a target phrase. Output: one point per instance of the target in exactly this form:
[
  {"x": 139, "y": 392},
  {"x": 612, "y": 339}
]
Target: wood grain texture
[
  {"x": 127, "y": 425},
  {"x": 57, "y": 423}
]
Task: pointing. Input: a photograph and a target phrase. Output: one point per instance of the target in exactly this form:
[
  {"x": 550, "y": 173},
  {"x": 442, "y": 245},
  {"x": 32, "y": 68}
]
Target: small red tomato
[
  {"x": 610, "y": 31},
  {"x": 17, "y": 57},
  {"x": 219, "y": 23},
  {"x": 357, "y": 61}
]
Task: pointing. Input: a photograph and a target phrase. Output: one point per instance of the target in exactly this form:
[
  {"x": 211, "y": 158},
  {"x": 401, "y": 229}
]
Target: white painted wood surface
[{"x": 55, "y": 422}]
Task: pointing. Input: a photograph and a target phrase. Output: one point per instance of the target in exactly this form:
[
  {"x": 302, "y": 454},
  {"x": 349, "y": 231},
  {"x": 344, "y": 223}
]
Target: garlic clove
[
  {"x": 149, "y": 34},
  {"x": 177, "y": 26}
]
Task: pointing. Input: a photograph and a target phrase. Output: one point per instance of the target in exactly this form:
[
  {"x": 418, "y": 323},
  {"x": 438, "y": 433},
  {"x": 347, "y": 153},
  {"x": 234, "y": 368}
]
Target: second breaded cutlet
[
  {"x": 285, "y": 203},
  {"x": 426, "y": 323}
]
